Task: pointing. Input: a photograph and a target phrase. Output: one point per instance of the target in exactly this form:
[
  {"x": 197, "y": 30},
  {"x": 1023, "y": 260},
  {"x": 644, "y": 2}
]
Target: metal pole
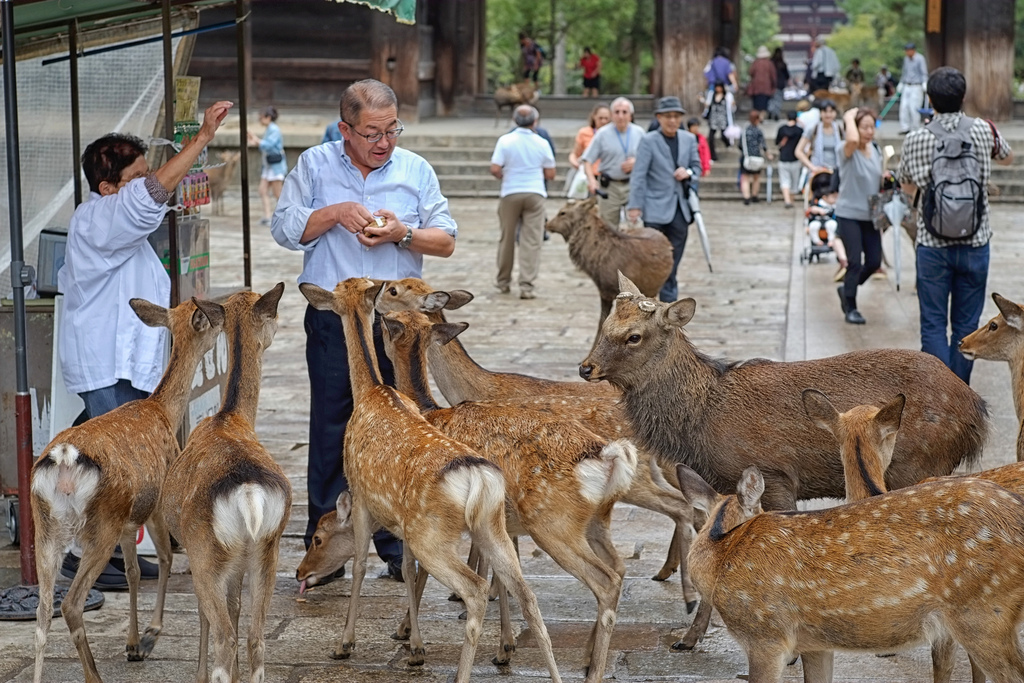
[
  {"x": 172, "y": 218},
  {"x": 241, "y": 34},
  {"x": 19, "y": 274},
  {"x": 76, "y": 122}
]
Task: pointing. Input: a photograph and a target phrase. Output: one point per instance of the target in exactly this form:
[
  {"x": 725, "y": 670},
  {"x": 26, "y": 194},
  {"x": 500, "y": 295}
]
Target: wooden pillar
[
  {"x": 977, "y": 39},
  {"x": 457, "y": 41},
  {"x": 395, "y": 60},
  {"x": 685, "y": 37}
]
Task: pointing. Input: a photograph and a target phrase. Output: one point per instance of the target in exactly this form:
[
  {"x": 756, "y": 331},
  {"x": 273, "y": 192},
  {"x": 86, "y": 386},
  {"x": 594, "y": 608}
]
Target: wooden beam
[
  {"x": 285, "y": 68},
  {"x": 395, "y": 57},
  {"x": 686, "y": 34}
]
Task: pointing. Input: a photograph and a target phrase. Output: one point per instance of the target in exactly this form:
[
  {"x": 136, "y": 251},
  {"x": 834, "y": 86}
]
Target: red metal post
[{"x": 26, "y": 529}]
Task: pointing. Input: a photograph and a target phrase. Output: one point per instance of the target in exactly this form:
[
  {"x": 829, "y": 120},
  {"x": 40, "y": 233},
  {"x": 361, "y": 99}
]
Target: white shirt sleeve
[
  {"x": 294, "y": 209},
  {"x": 498, "y": 157}
]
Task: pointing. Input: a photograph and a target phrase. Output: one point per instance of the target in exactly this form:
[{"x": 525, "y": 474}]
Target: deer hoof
[
  {"x": 400, "y": 635},
  {"x": 462, "y": 617},
  {"x": 663, "y": 575},
  {"x": 690, "y": 606},
  {"x": 416, "y": 656},
  {"x": 134, "y": 653},
  {"x": 345, "y": 652},
  {"x": 682, "y": 646},
  {"x": 454, "y": 597}
]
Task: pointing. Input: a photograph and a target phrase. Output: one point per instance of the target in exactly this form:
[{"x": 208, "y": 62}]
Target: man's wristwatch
[{"x": 407, "y": 240}]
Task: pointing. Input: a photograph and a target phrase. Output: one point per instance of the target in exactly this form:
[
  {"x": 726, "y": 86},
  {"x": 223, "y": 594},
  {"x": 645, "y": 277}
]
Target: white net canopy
[{"x": 120, "y": 91}]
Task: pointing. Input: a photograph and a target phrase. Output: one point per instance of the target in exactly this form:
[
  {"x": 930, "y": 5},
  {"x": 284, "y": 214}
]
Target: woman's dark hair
[
  {"x": 722, "y": 51},
  {"x": 821, "y": 185},
  {"x": 719, "y": 84},
  {"x": 693, "y": 121},
  {"x": 946, "y": 90},
  {"x": 105, "y": 159},
  {"x": 754, "y": 116},
  {"x": 863, "y": 113},
  {"x": 826, "y": 104},
  {"x": 777, "y": 56},
  {"x": 593, "y": 112},
  {"x": 587, "y": 50},
  {"x": 270, "y": 112}
]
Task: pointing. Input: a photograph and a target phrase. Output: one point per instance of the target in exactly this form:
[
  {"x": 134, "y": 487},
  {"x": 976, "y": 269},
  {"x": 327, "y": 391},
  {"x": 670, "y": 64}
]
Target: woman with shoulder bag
[
  {"x": 860, "y": 177},
  {"x": 274, "y": 167},
  {"x": 754, "y": 150}
]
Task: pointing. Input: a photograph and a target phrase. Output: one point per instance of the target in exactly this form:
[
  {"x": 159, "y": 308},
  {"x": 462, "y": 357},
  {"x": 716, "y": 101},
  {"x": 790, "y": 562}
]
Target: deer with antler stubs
[
  {"x": 561, "y": 479},
  {"x": 719, "y": 418},
  {"x": 228, "y": 501},
  {"x": 428, "y": 489},
  {"x": 938, "y": 562},
  {"x": 461, "y": 379},
  {"x": 1003, "y": 339},
  {"x": 100, "y": 481}
]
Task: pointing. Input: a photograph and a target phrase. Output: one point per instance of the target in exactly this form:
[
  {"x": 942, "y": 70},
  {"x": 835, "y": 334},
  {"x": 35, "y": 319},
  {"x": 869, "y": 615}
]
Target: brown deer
[
  {"x": 643, "y": 255},
  {"x": 714, "y": 416},
  {"x": 426, "y": 488},
  {"x": 100, "y": 481},
  {"x": 1003, "y": 339},
  {"x": 561, "y": 479},
  {"x": 512, "y": 96},
  {"x": 220, "y": 177},
  {"x": 460, "y": 378},
  {"x": 228, "y": 501},
  {"x": 939, "y": 562}
]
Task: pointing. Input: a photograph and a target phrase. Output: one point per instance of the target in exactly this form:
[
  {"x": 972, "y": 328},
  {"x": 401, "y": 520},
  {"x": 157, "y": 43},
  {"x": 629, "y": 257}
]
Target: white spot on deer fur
[
  {"x": 66, "y": 486},
  {"x": 984, "y": 534},
  {"x": 951, "y": 557},
  {"x": 970, "y": 544},
  {"x": 249, "y": 513}
]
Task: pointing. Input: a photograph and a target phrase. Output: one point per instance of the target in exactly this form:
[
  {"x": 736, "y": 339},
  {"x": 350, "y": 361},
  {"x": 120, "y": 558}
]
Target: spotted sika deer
[
  {"x": 460, "y": 379},
  {"x": 426, "y": 488},
  {"x": 940, "y": 562},
  {"x": 720, "y": 418},
  {"x": 100, "y": 481},
  {"x": 561, "y": 479},
  {"x": 1003, "y": 339},
  {"x": 228, "y": 501}
]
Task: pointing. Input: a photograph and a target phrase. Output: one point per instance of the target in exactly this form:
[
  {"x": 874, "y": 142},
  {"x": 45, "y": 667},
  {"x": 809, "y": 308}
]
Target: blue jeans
[
  {"x": 950, "y": 280},
  {"x": 100, "y": 401}
]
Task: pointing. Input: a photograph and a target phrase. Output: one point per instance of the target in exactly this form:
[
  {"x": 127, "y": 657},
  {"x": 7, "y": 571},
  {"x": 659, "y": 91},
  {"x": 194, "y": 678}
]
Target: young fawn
[
  {"x": 562, "y": 480},
  {"x": 938, "y": 562},
  {"x": 228, "y": 501},
  {"x": 461, "y": 379},
  {"x": 100, "y": 481},
  {"x": 428, "y": 489},
  {"x": 1003, "y": 339}
]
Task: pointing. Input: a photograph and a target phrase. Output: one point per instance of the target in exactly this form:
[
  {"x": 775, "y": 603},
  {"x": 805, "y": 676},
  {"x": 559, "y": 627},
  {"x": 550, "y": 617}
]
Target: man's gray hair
[
  {"x": 366, "y": 94},
  {"x": 525, "y": 116},
  {"x": 626, "y": 100}
]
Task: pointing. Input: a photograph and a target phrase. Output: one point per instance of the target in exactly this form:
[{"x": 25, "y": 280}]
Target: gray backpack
[{"x": 954, "y": 199}]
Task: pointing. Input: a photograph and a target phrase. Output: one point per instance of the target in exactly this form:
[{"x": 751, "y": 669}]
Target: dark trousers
[
  {"x": 711, "y": 142},
  {"x": 676, "y": 232},
  {"x": 101, "y": 401},
  {"x": 330, "y": 407},
  {"x": 863, "y": 252},
  {"x": 951, "y": 288}
]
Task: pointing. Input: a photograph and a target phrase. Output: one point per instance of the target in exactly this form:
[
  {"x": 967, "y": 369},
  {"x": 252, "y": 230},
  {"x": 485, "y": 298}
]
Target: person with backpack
[
  {"x": 946, "y": 166},
  {"x": 531, "y": 57}
]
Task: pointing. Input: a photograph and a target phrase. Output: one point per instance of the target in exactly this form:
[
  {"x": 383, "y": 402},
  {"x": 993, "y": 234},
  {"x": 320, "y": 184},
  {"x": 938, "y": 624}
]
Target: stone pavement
[{"x": 759, "y": 301}]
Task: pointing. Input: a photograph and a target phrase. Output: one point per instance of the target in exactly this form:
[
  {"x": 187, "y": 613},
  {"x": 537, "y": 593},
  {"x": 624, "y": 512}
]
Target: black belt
[{"x": 617, "y": 180}]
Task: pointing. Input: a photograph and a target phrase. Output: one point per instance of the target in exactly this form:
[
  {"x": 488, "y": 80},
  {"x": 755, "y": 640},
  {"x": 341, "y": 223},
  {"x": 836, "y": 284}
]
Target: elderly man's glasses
[{"x": 377, "y": 137}]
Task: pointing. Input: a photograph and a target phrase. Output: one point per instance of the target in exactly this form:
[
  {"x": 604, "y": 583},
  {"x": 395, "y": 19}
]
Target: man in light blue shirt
[
  {"x": 522, "y": 161},
  {"x": 911, "y": 88},
  {"x": 329, "y": 210},
  {"x": 614, "y": 146}
]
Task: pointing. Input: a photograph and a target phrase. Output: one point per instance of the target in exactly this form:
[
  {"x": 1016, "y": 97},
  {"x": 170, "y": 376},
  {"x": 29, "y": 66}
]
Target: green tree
[
  {"x": 759, "y": 24},
  {"x": 876, "y": 31}
]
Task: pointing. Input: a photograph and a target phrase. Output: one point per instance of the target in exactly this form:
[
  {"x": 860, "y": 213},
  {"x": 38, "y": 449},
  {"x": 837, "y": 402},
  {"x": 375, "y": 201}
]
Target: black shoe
[
  {"x": 393, "y": 570},
  {"x": 147, "y": 570},
  {"x": 854, "y": 317},
  {"x": 755, "y": 199},
  {"x": 842, "y": 298},
  {"x": 112, "y": 579},
  {"x": 746, "y": 202}
]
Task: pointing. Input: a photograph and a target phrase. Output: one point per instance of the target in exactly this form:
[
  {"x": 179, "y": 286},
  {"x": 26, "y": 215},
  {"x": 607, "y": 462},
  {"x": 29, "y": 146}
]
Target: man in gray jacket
[{"x": 667, "y": 163}]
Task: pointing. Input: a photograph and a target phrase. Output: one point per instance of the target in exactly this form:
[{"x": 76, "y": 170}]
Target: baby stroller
[{"x": 820, "y": 225}]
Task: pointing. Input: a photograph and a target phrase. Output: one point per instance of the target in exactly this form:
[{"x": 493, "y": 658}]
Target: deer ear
[
  {"x": 318, "y": 297},
  {"x": 697, "y": 491},
  {"x": 207, "y": 314},
  {"x": 151, "y": 314},
  {"x": 266, "y": 305},
  {"x": 889, "y": 417},
  {"x": 435, "y": 301},
  {"x": 820, "y": 410},
  {"x": 590, "y": 202},
  {"x": 457, "y": 298},
  {"x": 626, "y": 285},
  {"x": 394, "y": 327},
  {"x": 750, "y": 489},
  {"x": 680, "y": 312},
  {"x": 442, "y": 333},
  {"x": 344, "y": 507},
  {"x": 1012, "y": 313},
  {"x": 371, "y": 292}
]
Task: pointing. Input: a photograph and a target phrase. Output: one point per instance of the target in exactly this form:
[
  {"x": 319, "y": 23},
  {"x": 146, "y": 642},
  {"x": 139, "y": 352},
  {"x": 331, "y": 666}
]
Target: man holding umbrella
[{"x": 667, "y": 163}]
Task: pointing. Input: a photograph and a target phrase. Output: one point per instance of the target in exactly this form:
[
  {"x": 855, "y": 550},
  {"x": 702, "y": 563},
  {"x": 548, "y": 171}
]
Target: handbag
[
  {"x": 576, "y": 184},
  {"x": 274, "y": 158},
  {"x": 753, "y": 164}
]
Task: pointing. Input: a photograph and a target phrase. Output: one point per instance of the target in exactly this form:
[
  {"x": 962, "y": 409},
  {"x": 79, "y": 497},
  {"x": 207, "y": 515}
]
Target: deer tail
[
  {"x": 478, "y": 485},
  {"x": 609, "y": 474},
  {"x": 250, "y": 512}
]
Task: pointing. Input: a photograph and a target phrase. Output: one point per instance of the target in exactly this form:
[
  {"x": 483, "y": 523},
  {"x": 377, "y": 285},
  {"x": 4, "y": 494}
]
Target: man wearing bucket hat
[
  {"x": 667, "y": 162},
  {"x": 911, "y": 88}
]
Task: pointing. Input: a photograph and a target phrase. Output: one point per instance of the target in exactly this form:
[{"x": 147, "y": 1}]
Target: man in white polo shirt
[{"x": 522, "y": 161}]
